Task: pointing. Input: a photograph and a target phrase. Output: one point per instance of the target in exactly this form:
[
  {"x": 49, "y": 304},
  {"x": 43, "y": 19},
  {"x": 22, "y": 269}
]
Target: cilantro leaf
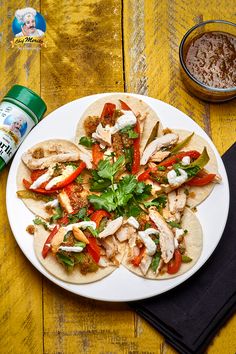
[
  {"x": 73, "y": 218},
  {"x": 140, "y": 187},
  {"x": 133, "y": 209},
  {"x": 86, "y": 141},
  {"x": 190, "y": 170},
  {"x": 122, "y": 197},
  {"x": 107, "y": 170},
  {"x": 97, "y": 183},
  {"x": 67, "y": 261},
  {"x": 100, "y": 185},
  {"x": 127, "y": 184},
  {"x": 104, "y": 201},
  {"x": 125, "y": 188},
  {"x": 174, "y": 224},
  {"x": 130, "y": 131},
  {"x": 159, "y": 202},
  {"x": 142, "y": 191},
  {"x": 58, "y": 214}
]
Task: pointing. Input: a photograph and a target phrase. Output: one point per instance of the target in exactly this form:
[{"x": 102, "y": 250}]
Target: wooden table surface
[{"x": 98, "y": 46}]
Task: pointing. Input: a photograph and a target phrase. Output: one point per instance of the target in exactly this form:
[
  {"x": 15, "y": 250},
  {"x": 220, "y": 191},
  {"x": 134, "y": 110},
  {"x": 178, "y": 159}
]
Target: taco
[
  {"x": 180, "y": 158},
  {"x": 73, "y": 254},
  {"x": 164, "y": 249},
  {"x": 45, "y": 177},
  {"x": 119, "y": 125}
]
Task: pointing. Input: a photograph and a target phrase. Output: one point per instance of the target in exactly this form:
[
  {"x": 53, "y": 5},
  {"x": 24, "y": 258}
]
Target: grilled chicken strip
[
  {"x": 103, "y": 135},
  {"x": 112, "y": 227},
  {"x": 157, "y": 144},
  {"x": 160, "y": 156},
  {"x": 177, "y": 200},
  {"x": 166, "y": 235},
  {"x": 181, "y": 199},
  {"x": 124, "y": 233},
  {"x": 110, "y": 247},
  {"x": 48, "y": 152}
]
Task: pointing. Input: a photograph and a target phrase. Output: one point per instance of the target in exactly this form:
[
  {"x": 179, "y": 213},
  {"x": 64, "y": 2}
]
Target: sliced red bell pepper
[
  {"x": 71, "y": 177},
  {"x": 193, "y": 154},
  {"x": 47, "y": 244},
  {"x": 201, "y": 180},
  {"x": 108, "y": 110},
  {"x": 89, "y": 211},
  {"x": 124, "y": 106},
  {"x": 97, "y": 154},
  {"x": 36, "y": 174},
  {"x": 93, "y": 248},
  {"x": 98, "y": 215},
  {"x": 136, "y": 146},
  {"x": 146, "y": 174},
  {"x": 175, "y": 263},
  {"x": 137, "y": 260},
  {"x": 27, "y": 185}
]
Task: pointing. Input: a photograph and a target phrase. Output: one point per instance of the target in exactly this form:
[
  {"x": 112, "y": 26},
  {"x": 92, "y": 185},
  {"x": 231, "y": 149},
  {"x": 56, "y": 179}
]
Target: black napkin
[{"x": 190, "y": 315}]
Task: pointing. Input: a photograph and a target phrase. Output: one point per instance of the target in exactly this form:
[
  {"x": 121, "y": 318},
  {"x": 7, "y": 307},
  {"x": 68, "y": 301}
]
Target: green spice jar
[{"x": 20, "y": 110}]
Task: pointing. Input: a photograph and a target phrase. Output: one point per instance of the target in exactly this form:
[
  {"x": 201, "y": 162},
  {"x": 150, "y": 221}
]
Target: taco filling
[{"x": 121, "y": 195}]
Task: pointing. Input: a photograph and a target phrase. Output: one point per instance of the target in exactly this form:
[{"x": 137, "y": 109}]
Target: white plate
[{"x": 121, "y": 285}]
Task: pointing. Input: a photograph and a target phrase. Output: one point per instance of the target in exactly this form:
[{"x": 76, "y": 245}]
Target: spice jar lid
[{"x": 27, "y": 100}]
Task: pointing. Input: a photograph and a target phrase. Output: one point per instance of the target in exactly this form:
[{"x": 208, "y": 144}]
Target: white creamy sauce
[
  {"x": 128, "y": 118},
  {"x": 148, "y": 242},
  {"x": 43, "y": 178},
  {"x": 185, "y": 161},
  {"x": 175, "y": 180},
  {"x": 65, "y": 173},
  {"x": 71, "y": 248},
  {"x": 80, "y": 225},
  {"x": 53, "y": 203}
]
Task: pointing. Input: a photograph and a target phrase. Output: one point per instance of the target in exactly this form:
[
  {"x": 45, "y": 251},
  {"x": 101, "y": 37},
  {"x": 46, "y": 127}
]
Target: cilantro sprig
[
  {"x": 130, "y": 132},
  {"x": 86, "y": 141},
  {"x": 122, "y": 196},
  {"x": 159, "y": 202}
]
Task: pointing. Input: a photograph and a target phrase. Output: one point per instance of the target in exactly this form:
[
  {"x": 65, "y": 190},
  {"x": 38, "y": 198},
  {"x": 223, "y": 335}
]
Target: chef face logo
[
  {"x": 17, "y": 125},
  {"x": 28, "y": 27}
]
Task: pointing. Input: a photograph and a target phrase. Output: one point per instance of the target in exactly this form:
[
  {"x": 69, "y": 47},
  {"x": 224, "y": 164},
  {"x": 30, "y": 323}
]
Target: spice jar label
[{"x": 15, "y": 124}]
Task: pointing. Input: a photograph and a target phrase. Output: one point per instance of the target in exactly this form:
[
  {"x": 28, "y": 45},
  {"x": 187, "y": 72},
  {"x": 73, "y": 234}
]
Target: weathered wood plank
[
  {"x": 84, "y": 51},
  {"x": 223, "y": 121},
  {"x": 152, "y": 34},
  {"x": 20, "y": 286}
]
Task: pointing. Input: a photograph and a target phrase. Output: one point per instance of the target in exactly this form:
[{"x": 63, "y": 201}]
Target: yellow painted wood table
[{"x": 98, "y": 46}]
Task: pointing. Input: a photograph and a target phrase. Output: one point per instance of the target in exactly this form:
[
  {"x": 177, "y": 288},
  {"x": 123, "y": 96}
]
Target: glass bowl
[{"x": 198, "y": 88}]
